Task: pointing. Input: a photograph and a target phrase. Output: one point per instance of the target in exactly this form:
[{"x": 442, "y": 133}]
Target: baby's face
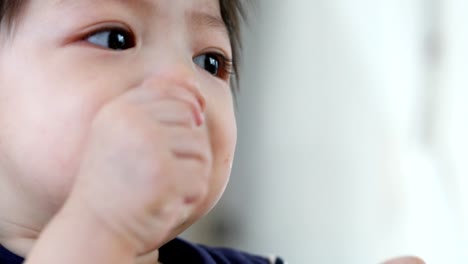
[{"x": 68, "y": 58}]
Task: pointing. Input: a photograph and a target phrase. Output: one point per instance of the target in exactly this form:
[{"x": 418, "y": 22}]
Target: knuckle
[
  {"x": 204, "y": 149},
  {"x": 199, "y": 191},
  {"x": 187, "y": 118}
]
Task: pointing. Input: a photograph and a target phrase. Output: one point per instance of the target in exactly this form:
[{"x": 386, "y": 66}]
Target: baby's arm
[
  {"x": 74, "y": 236},
  {"x": 144, "y": 169}
]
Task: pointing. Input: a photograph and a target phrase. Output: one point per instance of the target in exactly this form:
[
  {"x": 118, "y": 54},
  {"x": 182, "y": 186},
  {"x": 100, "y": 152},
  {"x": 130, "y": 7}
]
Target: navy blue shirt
[{"x": 180, "y": 251}]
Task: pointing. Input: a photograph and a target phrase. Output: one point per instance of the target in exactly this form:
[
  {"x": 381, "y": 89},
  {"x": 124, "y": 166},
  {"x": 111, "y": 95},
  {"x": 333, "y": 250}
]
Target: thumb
[{"x": 405, "y": 260}]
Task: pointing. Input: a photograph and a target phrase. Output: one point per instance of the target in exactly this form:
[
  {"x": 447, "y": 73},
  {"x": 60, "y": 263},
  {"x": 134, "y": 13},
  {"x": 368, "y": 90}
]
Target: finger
[
  {"x": 151, "y": 95},
  {"x": 191, "y": 144},
  {"x": 192, "y": 98},
  {"x": 174, "y": 112},
  {"x": 191, "y": 179},
  {"x": 405, "y": 260}
]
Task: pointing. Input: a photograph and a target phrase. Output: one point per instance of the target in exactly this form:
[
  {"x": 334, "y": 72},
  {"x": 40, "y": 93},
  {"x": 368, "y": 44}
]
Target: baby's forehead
[{"x": 197, "y": 12}]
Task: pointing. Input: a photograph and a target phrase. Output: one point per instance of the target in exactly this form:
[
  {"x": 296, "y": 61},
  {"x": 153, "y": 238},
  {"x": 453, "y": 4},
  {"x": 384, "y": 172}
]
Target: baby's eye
[
  {"x": 113, "y": 38},
  {"x": 214, "y": 63}
]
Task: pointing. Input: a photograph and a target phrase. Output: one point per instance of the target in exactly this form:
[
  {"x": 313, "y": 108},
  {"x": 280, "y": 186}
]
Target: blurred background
[{"x": 352, "y": 118}]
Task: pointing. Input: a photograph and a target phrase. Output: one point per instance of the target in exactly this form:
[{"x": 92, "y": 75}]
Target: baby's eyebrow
[{"x": 206, "y": 19}]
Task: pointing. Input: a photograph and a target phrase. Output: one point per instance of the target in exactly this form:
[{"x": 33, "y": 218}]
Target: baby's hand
[
  {"x": 146, "y": 164},
  {"x": 405, "y": 260}
]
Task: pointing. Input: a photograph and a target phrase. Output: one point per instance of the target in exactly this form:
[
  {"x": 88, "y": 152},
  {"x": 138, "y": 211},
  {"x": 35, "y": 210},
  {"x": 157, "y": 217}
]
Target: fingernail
[{"x": 200, "y": 118}]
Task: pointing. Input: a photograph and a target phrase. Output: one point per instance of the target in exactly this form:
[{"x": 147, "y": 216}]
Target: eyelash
[
  {"x": 118, "y": 31},
  {"x": 224, "y": 65},
  {"x": 228, "y": 67}
]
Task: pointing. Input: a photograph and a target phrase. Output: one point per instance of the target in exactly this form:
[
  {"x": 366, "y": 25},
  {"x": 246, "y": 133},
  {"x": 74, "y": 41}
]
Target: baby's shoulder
[{"x": 181, "y": 251}]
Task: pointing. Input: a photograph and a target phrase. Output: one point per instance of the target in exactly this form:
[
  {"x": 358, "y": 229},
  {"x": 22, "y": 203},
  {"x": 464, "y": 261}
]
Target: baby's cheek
[
  {"x": 53, "y": 167},
  {"x": 61, "y": 176},
  {"x": 221, "y": 180},
  {"x": 223, "y": 142},
  {"x": 217, "y": 184},
  {"x": 44, "y": 154}
]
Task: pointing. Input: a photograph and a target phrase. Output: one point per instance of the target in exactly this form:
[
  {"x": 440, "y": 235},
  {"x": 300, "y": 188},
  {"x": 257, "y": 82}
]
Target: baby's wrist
[
  {"x": 76, "y": 212},
  {"x": 81, "y": 239}
]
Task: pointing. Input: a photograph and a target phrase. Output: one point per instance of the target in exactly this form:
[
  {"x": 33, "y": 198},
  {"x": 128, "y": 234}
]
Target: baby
[{"x": 117, "y": 128}]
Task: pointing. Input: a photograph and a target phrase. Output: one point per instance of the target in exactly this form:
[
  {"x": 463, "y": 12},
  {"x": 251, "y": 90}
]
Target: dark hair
[
  {"x": 232, "y": 12},
  {"x": 9, "y": 10}
]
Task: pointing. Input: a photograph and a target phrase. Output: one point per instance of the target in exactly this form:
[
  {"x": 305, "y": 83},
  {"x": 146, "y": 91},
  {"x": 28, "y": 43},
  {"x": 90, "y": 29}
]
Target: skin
[
  {"x": 405, "y": 260},
  {"x": 128, "y": 147}
]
